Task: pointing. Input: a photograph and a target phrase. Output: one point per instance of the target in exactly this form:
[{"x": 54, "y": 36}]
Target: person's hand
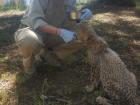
[
  {"x": 85, "y": 14},
  {"x": 67, "y": 35}
]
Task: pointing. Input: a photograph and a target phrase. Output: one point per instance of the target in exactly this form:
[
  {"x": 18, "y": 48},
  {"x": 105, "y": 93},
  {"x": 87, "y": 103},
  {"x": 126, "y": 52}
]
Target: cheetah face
[{"x": 88, "y": 36}]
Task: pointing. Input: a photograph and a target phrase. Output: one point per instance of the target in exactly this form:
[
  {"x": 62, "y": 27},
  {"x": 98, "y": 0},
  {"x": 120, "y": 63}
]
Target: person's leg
[{"x": 29, "y": 45}]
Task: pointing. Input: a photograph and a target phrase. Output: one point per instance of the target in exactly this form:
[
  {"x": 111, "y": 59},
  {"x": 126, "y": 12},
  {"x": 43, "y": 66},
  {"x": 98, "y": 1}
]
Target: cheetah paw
[{"x": 102, "y": 101}]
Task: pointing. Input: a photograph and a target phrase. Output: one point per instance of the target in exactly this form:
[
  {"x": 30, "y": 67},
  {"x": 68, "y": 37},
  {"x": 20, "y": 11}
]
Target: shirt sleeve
[{"x": 34, "y": 16}]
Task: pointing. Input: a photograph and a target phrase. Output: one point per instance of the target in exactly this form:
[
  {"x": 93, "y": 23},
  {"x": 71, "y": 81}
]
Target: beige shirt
[{"x": 42, "y": 12}]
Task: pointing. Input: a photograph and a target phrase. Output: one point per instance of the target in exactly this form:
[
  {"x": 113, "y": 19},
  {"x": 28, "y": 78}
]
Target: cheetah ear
[{"x": 87, "y": 32}]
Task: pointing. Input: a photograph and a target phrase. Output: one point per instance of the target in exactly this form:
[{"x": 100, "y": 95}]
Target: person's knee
[
  {"x": 28, "y": 36},
  {"x": 28, "y": 42}
]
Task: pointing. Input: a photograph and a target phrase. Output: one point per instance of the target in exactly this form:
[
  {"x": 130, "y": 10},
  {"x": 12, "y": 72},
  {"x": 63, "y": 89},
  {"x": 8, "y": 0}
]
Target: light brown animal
[{"x": 119, "y": 83}]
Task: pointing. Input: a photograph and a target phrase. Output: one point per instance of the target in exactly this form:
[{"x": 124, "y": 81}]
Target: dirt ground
[{"x": 66, "y": 85}]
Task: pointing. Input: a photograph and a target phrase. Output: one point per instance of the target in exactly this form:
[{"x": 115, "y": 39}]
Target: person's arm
[
  {"x": 35, "y": 17},
  {"x": 65, "y": 34},
  {"x": 49, "y": 29}
]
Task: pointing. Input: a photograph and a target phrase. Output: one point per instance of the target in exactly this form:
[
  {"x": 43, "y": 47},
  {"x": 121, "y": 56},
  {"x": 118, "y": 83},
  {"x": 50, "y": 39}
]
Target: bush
[{"x": 13, "y": 6}]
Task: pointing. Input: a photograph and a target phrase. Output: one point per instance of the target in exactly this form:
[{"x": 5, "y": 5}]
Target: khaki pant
[{"x": 30, "y": 44}]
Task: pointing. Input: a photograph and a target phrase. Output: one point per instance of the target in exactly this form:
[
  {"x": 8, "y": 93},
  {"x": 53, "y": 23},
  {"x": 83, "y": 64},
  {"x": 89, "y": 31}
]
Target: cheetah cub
[{"x": 119, "y": 83}]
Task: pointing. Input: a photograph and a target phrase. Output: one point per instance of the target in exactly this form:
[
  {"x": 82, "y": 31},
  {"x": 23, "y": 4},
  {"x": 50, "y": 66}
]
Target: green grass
[
  {"x": 138, "y": 5},
  {"x": 12, "y": 7}
]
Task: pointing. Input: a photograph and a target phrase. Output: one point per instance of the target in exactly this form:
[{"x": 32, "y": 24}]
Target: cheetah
[{"x": 118, "y": 82}]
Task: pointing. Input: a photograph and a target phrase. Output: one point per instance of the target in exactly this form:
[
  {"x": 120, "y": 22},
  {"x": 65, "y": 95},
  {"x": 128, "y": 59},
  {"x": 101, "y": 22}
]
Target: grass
[
  {"x": 3, "y": 97},
  {"x": 7, "y": 65},
  {"x": 138, "y": 5},
  {"x": 6, "y": 89},
  {"x": 12, "y": 7}
]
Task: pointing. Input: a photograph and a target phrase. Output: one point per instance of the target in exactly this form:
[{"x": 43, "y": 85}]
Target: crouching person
[{"x": 43, "y": 21}]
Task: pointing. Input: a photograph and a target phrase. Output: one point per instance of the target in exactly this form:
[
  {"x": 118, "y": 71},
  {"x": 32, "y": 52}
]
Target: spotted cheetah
[{"x": 119, "y": 83}]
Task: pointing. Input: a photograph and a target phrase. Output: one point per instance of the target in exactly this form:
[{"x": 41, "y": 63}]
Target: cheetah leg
[
  {"x": 94, "y": 85},
  {"x": 94, "y": 81},
  {"x": 131, "y": 101},
  {"x": 102, "y": 101}
]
